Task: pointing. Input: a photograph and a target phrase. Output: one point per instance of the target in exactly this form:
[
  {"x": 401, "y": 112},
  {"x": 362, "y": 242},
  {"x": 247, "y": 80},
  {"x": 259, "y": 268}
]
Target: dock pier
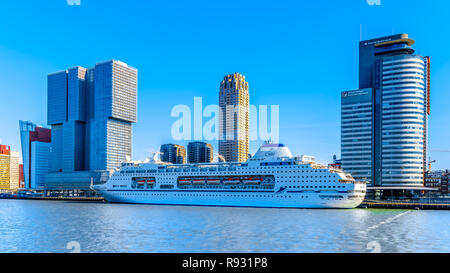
[
  {"x": 59, "y": 198},
  {"x": 411, "y": 205}
]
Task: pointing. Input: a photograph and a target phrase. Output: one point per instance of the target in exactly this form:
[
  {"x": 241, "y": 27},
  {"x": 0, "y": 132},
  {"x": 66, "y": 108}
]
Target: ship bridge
[{"x": 270, "y": 151}]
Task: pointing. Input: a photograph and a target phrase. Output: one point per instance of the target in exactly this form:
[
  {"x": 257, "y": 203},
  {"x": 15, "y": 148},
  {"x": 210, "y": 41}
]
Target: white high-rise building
[{"x": 384, "y": 123}]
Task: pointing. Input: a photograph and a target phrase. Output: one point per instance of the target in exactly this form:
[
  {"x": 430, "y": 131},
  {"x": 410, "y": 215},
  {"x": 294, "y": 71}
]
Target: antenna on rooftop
[{"x": 360, "y": 32}]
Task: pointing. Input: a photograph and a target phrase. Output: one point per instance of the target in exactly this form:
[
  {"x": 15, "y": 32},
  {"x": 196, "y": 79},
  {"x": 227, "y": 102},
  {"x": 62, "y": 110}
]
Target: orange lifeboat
[
  {"x": 151, "y": 181},
  {"x": 198, "y": 181},
  {"x": 184, "y": 181},
  {"x": 232, "y": 180},
  {"x": 213, "y": 181},
  {"x": 140, "y": 181},
  {"x": 252, "y": 180}
]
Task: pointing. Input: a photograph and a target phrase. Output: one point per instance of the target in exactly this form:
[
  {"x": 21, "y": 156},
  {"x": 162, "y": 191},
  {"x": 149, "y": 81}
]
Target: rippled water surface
[{"x": 49, "y": 226}]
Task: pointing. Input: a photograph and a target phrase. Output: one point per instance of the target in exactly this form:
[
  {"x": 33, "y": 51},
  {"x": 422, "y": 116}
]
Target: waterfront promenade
[
  {"x": 421, "y": 205},
  {"x": 54, "y": 198}
]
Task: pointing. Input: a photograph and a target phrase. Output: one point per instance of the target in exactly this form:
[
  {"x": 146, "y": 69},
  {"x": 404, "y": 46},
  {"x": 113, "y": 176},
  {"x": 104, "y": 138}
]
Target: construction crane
[
  {"x": 434, "y": 161},
  {"x": 429, "y": 164}
]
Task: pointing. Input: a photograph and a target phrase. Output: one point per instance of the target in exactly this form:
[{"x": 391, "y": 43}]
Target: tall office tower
[
  {"x": 67, "y": 117},
  {"x": 200, "y": 152},
  {"x": 234, "y": 118},
  {"x": 91, "y": 112},
  {"x": 384, "y": 123},
  {"x": 114, "y": 112},
  {"x": 173, "y": 153},
  {"x": 9, "y": 168},
  {"x": 36, "y": 153}
]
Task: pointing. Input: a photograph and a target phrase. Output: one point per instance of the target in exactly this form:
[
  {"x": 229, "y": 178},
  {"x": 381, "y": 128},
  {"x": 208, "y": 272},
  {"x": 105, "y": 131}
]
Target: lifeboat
[
  {"x": 232, "y": 180},
  {"x": 184, "y": 181},
  {"x": 252, "y": 180},
  {"x": 151, "y": 181},
  {"x": 140, "y": 181},
  {"x": 198, "y": 181},
  {"x": 213, "y": 181}
]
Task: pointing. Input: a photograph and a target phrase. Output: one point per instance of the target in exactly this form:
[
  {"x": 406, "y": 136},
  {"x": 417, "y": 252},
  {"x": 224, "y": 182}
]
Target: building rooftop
[{"x": 388, "y": 40}]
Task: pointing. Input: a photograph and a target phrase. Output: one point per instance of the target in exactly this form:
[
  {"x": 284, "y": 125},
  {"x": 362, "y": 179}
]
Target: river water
[{"x": 54, "y": 226}]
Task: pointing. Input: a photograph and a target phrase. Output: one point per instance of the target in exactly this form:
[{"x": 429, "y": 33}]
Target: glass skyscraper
[
  {"x": 91, "y": 112},
  {"x": 114, "y": 111},
  {"x": 384, "y": 122},
  {"x": 36, "y": 153}
]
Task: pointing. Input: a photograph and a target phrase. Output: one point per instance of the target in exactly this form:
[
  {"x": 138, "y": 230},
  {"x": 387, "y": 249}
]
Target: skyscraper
[
  {"x": 234, "y": 118},
  {"x": 91, "y": 112},
  {"x": 36, "y": 153},
  {"x": 384, "y": 123},
  {"x": 199, "y": 152},
  {"x": 114, "y": 112},
  {"x": 173, "y": 153},
  {"x": 67, "y": 117}
]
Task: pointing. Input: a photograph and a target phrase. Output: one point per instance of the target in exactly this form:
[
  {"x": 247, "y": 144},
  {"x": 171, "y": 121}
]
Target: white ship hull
[{"x": 230, "y": 199}]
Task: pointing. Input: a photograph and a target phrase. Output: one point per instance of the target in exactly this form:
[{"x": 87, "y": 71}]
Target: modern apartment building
[
  {"x": 9, "y": 169},
  {"x": 14, "y": 177},
  {"x": 36, "y": 153},
  {"x": 234, "y": 104},
  {"x": 384, "y": 122},
  {"x": 173, "y": 153},
  {"x": 200, "y": 152},
  {"x": 91, "y": 112},
  {"x": 4, "y": 167}
]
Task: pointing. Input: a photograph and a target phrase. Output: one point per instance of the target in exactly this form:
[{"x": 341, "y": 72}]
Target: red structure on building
[
  {"x": 41, "y": 135},
  {"x": 5, "y": 149},
  {"x": 21, "y": 177}
]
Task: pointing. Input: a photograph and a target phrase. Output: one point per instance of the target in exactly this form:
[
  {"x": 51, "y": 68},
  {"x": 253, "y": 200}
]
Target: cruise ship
[{"x": 271, "y": 178}]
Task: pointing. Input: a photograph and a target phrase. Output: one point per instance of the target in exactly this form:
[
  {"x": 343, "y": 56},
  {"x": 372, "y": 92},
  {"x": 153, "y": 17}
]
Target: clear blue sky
[{"x": 297, "y": 54}]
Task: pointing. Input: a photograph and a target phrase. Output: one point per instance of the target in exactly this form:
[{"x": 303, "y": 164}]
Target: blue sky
[{"x": 296, "y": 54}]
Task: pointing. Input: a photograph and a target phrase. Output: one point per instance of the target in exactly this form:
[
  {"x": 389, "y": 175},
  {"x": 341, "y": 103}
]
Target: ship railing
[
  {"x": 203, "y": 166},
  {"x": 347, "y": 181}
]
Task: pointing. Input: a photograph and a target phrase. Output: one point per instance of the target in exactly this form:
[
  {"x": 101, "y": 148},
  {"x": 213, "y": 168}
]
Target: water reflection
[{"x": 43, "y": 226}]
